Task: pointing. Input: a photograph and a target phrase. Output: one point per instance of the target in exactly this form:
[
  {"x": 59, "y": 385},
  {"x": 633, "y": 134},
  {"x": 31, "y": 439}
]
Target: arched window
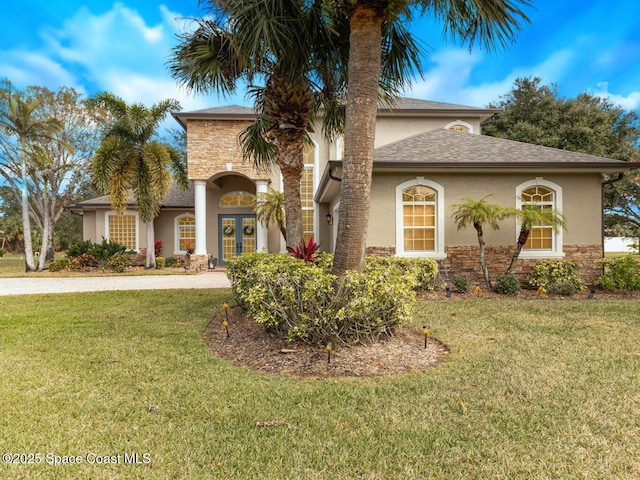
[
  {"x": 236, "y": 199},
  {"x": 185, "y": 230},
  {"x": 460, "y": 126},
  {"x": 419, "y": 219},
  {"x": 545, "y": 195}
]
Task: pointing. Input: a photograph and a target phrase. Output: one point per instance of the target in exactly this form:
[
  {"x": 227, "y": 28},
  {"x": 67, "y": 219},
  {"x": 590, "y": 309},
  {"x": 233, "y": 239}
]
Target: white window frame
[
  {"x": 176, "y": 233},
  {"x": 557, "y": 237},
  {"x": 113, "y": 213},
  {"x": 439, "y": 252}
]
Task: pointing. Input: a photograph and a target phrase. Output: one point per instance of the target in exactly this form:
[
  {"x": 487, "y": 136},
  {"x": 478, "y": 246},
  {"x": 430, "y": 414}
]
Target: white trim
[
  {"x": 461, "y": 123},
  {"x": 439, "y": 251},
  {"x": 557, "y": 250},
  {"x": 176, "y": 232},
  {"x": 111, "y": 213}
]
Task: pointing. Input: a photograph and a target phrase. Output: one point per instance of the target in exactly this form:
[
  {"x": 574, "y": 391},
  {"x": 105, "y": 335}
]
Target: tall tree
[
  {"x": 490, "y": 22},
  {"x": 130, "y": 160},
  {"x": 479, "y": 213},
  {"x": 23, "y": 129},
  {"x": 297, "y": 50}
]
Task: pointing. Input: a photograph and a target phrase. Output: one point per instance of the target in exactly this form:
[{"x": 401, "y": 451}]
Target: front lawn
[{"x": 532, "y": 389}]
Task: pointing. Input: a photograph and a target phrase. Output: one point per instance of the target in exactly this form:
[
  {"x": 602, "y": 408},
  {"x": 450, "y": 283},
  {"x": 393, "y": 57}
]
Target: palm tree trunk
[
  {"x": 151, "y": 245},
  {"x": 522, "y": 239},
  {"x": 483, "y": 262},
  {"x": 291, "y": 161},
  {"x": 359, "y": 138}
]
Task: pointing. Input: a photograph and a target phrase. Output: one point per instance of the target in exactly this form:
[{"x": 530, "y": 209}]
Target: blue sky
[{"x": 123, "y": 47}]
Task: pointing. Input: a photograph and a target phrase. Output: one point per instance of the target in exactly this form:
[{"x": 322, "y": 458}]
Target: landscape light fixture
[{"x": 329, "y": 219}]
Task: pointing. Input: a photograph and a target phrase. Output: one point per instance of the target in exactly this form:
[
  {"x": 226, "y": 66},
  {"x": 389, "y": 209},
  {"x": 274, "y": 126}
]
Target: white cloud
[{"x": 628, "y": 102}]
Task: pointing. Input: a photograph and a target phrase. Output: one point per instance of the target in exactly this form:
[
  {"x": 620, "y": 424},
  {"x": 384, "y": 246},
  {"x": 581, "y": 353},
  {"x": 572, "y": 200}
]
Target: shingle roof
[
  {"x": 445, "y": 147},
  {"x": 176, "y": 198},
  {"x": 402, "y": 105}
]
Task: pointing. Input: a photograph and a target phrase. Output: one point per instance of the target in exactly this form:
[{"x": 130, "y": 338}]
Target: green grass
[
  {"x": 531, "y": 390},
  {"x": 12, "y": 266}
]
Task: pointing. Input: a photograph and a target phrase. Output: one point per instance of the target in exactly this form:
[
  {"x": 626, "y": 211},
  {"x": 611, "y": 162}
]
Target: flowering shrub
[
  {"x": 82, "y": 262},
  {"x": 303, "y": 300},
  {"x": 158, "y": 248},
  {"x": 554, "y": 275},
  {"x": 620, "y": 274}
]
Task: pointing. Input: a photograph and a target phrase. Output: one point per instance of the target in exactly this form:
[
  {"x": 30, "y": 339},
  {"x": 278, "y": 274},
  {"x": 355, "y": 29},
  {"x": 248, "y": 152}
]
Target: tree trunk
[
  {"x": 151, "y": 245},
  {"x": 365, "y": 54},
  {"x": 291, "y": 161},
  {"x": 483, "y": 262},
  {"x": 26, "y": 221},
  {"x": 522, "y": 239}
]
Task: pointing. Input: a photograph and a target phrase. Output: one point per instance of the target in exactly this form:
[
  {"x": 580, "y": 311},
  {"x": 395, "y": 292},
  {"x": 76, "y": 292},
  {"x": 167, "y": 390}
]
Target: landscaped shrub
[
  {"x": 108, "y": 252},
  {"x": 566, "y": 289},
  {"x": 119, "y": 262},
  {"x": 57, "y": 265},
  {"x": 160, "y": 262},
  {"x": 306, "y": 250},
  {"x": 550, "y": 273},
  {"x": 461, "y": 284},
  {"x": 424, "y": 270},
  {"x": 620, "y": 274},
  {"x": 158, "y": 248},
  {"x": 302, "y": 300},
  {"x": 170, "y": 262},
  {"x": 1, "y": 252},
  {"x": 82, "y": 262},
  {"x": 79, "y": 248},
  {"x": 507, "y": 284}
]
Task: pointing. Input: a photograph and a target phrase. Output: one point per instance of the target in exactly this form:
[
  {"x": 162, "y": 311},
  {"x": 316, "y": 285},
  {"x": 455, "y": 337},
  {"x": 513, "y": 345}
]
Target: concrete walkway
[{"x": 32, "y": 284}]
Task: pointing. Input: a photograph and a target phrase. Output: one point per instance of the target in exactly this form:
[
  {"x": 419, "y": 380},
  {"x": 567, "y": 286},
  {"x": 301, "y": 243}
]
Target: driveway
[{"x": 31, "y": 285}]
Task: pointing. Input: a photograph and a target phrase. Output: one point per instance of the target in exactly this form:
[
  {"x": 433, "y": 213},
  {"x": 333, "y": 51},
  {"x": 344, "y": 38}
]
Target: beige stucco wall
[{"x": 581, "y": 206}]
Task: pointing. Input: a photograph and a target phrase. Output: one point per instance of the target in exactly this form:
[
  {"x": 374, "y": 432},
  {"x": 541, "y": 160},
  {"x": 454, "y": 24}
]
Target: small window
[
  {"x": 186, "y": 230},
  {"x": 460, "y": 126}
]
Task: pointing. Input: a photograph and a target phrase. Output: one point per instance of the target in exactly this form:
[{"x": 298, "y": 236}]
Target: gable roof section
[
  {"x": 445, "y": 148},
  {"x": 176, "y": 198}
]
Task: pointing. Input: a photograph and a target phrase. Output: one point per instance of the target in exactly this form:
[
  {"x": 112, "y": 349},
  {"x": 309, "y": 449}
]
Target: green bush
[
  {"x": 79, "y": 248},
  {"x": 57, "y": 265},
  {"x": 302, "y": 300},
  {"x": 547, "y": 273},
  {"x": 160, "y": 262},
  {"x": 107, "y": 252},
  {"x": 507, "y": 284},
  {"x": 1, "y": 252},
  {"x": 620, "y": 274},
  {"x": 170, "y": 262},
  {"x": 461, "y": 284},
  {"x": 566, "y": 289},
  {"x": 423, "y": 270}
]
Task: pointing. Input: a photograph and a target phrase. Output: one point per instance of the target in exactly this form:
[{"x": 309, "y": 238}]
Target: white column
[
  {"x": 262, "y": 238},
  {"x": 200, "y": 191}
]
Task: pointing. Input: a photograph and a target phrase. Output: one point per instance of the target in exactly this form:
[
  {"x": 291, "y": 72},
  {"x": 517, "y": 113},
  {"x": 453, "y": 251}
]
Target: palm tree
[
  {"x": 478, "y": 213},
  {"x": 298, "y": 50},
  {"x": 529, "y": 217},
  {"x": 20, "y": 119},
  {"x": 491, "y": 22},
  {"x": 269, "y": 209},
  {"x": 130, "y": 161}
]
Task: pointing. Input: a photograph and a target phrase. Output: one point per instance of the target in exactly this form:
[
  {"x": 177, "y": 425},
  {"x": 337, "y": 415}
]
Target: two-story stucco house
[{"x": 428, "y": 157}]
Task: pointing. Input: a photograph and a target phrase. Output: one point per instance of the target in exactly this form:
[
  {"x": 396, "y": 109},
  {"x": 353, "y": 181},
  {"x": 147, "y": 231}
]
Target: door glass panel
[
  {"x": 248, "y": 235},
  {"x": 228, "y": 238}
]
